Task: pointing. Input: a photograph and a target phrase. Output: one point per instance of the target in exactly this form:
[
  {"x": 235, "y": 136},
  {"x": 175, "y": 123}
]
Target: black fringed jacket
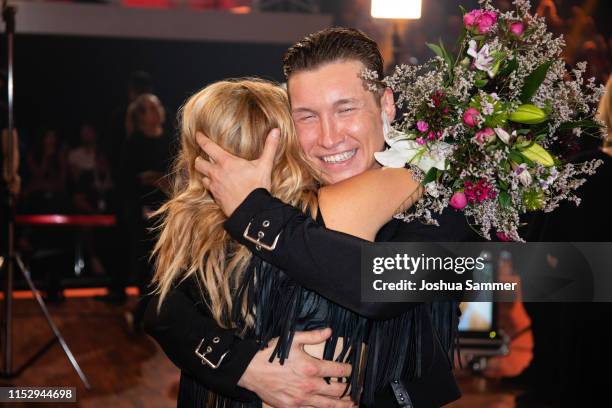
[{"x": 327, "y": 263}]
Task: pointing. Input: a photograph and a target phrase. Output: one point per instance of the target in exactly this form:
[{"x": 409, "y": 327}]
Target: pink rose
[
  {"x": 470, "y": 18},
  {"x": 517, "y": 28},
  {"x": 420, "y": 141},
  {"x": 422, "y": 126},
  {"x": 470, "y": 117},
  {"x": 482, "y": 20},
  {"x": 485, "y": 136},
  {"x": 487, "y": 20},
  {"x": 458, "y": 200}
]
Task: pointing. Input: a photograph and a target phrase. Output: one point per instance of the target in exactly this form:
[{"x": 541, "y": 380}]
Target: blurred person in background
[
  {"x": 596, "y": 54},
  {"x": 145, "y": 161},
  {"x": 45, "y": 190},
  {"x": 548, "y": 10},
  {"x": 90, "y": 185},
  {"x": 139, "y": 83},
  {"x": 90, "y": 175}
]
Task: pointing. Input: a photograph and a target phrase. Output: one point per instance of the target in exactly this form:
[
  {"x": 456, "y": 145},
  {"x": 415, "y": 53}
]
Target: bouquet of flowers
[{"x": 480, "y": 128}]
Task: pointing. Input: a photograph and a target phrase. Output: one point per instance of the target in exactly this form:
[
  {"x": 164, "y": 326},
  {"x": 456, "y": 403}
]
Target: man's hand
[
  {"x": 299, "y": 381},
  {"x": 230, "y": 179}
]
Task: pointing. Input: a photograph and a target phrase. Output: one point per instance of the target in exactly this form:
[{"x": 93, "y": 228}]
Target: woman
[
  {"x": 241, "y": 291},
  {"x": 145, "y": 159}
]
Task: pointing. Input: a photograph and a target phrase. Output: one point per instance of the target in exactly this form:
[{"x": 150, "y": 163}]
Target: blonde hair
[
  {"x": 137, "y": 108},
  {"x": 237, "y": 115},
  {"x": 605, "y": 111}
]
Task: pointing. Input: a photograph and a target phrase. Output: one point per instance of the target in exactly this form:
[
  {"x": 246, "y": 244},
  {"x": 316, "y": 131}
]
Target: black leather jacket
[{"x": 323, "y": 261}]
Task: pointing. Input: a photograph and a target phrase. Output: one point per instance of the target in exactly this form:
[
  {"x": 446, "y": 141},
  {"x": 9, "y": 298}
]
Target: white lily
[
  {"x": 482, "y": 59},
  {"x": 402, "y": 151},
  {"x": 523, "y": 175},
  {"x": 503, "y": 135}
]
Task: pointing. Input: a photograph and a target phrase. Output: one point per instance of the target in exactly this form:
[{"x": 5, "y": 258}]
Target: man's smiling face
[{"x": 338, "y": 121}]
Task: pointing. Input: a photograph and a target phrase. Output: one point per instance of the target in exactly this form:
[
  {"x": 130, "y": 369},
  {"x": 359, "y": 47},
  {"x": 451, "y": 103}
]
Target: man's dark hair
[{"x": 331, "y": 45}]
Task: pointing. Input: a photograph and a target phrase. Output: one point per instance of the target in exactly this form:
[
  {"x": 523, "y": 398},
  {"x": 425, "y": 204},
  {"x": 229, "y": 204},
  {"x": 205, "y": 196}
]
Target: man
[{"x": 340, "y": 126}]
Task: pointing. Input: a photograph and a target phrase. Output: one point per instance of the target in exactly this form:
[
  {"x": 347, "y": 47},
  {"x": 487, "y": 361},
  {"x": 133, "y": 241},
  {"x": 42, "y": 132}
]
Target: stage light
[{"x": 396, "y": 9}]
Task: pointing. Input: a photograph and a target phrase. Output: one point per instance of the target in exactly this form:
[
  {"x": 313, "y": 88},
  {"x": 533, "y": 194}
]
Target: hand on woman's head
[{"x": 229, "y": 178}]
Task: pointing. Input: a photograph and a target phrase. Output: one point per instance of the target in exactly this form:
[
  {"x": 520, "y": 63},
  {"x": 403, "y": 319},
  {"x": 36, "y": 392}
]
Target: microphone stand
[{"x": 8, "y": 15}]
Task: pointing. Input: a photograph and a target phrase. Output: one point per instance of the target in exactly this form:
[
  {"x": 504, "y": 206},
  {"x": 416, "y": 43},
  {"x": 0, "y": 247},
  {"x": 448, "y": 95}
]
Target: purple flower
[
  {"x": 420, "y": 141},
  {"x": 422, "y": 126}
]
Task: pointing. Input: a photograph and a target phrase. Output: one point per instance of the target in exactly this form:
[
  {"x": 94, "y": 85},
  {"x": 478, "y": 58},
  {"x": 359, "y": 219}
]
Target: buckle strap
[
  {"x": 259, "y": 244},
  {"x": 401, "y": 394},
  {"x": 206, "y": 353}
]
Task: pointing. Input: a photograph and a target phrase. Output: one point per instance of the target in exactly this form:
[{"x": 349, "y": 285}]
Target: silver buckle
[
  {"x": 257, "y": 241},
  {"x": 202, "y": 356}
]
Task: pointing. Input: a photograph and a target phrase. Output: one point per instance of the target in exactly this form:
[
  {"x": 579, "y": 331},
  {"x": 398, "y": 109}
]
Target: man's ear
[{"x": 387, "y": 104}]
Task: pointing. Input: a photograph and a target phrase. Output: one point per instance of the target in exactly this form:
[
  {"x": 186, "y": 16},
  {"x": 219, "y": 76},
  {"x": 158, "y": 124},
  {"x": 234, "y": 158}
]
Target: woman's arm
[
  {"x": 361, "y": 205},
  {"x": 325, "y": 261},
  {"x": 184, "y": 321},
  {"x": 180, "y": 325}
]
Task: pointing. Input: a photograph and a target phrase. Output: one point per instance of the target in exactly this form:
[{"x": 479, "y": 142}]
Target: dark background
[{"x": 61, "y": 81}]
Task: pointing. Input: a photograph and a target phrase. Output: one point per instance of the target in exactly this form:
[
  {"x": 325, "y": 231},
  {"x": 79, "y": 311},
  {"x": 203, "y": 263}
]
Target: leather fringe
[
  {"x": 445, "y": 320},
  {"x": 193, "y": 395},
  {"x": 281, "y": 307}
]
